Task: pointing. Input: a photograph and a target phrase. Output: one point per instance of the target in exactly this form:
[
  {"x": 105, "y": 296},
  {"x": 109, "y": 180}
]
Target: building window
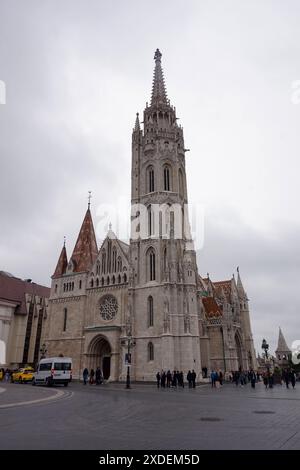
[
  {"x": 150, "y": 310},
  {"x": 114, "y": 260},
  {"x": 150, "y": 222},
  {"x": 150, "y": 352},
  {"x": 125, "y": 278},
  {"x": 98, "y": 268},
  {"x": 103, "y": 267},
  {"x": 180, "y": 180},
  {"x": 65, "y": 319},
  {"x": 92, "y": 283},
  {"x": 150, "y": 179},
  {"x": 151, "y": 264},
  {"x": 55, "y": 288},
  {"x": 119, "y": 264},
  {"x": 97, "y": 282},
  {"x": 167, "y": 178},
  {"x": 80, "y": 284}
]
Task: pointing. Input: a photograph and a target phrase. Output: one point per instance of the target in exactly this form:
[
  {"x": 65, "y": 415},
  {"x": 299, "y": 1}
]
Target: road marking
[
  {"x": 2, "y": 390},
  {"x": 57, "y": 394}
]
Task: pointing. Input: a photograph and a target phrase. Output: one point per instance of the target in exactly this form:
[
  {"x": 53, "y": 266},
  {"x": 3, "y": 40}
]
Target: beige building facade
[
  {"x": 148, "y": 290},
  {"x": 23, "y": 310}
]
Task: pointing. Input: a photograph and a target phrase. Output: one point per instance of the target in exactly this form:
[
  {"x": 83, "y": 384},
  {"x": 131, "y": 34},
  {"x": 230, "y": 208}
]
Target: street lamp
[
  {"x": 43, "y": 351},
  {"x": 129, "y": 342},
  {"x": 265, "y": 347}
]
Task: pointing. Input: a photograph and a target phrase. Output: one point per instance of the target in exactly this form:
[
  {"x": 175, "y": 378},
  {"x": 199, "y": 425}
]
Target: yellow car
[{"x": 23, "y": 375}]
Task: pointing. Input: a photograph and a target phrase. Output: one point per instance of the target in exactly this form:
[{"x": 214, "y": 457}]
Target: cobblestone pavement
[{"x": 111, "y": 417}]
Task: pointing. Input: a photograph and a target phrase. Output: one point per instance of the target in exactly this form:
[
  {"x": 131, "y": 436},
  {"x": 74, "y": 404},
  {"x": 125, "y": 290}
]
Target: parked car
[
  {"x": 23, "y": 375},
  {"x": 53, "y": 371}
]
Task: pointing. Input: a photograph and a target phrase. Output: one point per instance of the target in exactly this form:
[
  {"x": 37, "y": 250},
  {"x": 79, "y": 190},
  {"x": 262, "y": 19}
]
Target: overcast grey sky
[{"x": 76, "y": 72}]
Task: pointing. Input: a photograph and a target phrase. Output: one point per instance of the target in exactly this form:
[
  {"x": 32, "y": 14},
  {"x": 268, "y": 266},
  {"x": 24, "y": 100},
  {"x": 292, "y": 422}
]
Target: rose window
[{"x": 108, "y": 307}]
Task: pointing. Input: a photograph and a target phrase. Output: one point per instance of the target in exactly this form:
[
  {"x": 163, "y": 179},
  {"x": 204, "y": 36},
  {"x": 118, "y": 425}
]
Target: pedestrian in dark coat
[
  {"x": 189, "y": 378},
  {"x": 174, "y": 379},
  {"x": 221, "y": 377},
  {"x": 252, "y": 378},
  {"x": 169, "y": 378},
  {"x": 163, "y": 379},
  {"x": 194, "y": 378},
  {"x": 293, "y": 378},
  {"x": 181, "y": 379},
  {"x": 85, "y": 375},
  {"x": 158, "y": 379},
  {"x": 92, "y": 375},
  {"x": 98, "y": 376}
]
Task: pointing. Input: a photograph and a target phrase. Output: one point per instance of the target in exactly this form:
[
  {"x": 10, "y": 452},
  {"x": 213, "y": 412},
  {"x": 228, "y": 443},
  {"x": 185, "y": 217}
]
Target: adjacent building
[{"x": 23, "y": 310}]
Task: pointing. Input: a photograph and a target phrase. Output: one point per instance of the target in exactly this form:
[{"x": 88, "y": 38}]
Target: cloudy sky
[{"x": 77, "y": 71}]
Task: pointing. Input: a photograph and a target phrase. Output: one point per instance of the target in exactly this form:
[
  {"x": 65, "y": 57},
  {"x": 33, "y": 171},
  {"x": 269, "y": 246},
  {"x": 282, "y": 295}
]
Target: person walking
[
  {"x": 194, "y": 378},
  {"x": 158, "y": 379},
  {"x": 169, "y": 379},
  {"x": 92, "y": 375},
  {"x": 286, "y": 378},
  {"x": 85, "y": 375},
  {"x": 213, "y": 378},
  {"x": 163, "y": 379},
  {"x": 189, "y": 378},
  {"x": 266, "y": 380},
  {"x": 293, "y": 378},
  {"x": 221, "y": 377},
  {"x": 98, "y": 376},
  {"x": 252, "y": 378}
]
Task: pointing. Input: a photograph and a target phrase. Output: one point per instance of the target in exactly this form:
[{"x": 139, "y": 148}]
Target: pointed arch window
[
  {"x": 167, "y": 178},
  {"x": 150, "y": 352},
  {"x": 150, "y": 311},
  {"x": 103, "y": 262},
  {"x": 98, "y": 268},
  {"x": 180, "y": 183},
  {"x": 151, "y": 264},
  {"x": 150, "y": 179},
  {"x": 119, "y": 264},
  {"x": 65, "y": 319},
  {"x": 150, "y": 221},
  {"x": 114, "y": 258}
]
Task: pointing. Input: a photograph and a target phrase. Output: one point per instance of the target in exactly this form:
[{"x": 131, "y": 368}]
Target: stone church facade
[{"x": 150, "y": 289}]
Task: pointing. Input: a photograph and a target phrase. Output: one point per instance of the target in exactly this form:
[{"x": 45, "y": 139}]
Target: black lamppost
[
  {"x": 265, "y": 347},
  {"x": 43, "y": 351},
  {"x": 129, "y": 342}
]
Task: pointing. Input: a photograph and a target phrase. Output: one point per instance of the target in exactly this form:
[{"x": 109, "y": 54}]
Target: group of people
[
  {"x": 175, "y": 379},
  {"x": 240, "y": 377},
  {"x": 92, "y": 377},
  {"x": 288, "y": 376}
]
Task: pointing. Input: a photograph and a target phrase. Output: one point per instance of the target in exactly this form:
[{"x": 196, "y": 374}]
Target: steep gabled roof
[
  {"x": 86, "y": 250},
  {"x": 211, "y": 307}
]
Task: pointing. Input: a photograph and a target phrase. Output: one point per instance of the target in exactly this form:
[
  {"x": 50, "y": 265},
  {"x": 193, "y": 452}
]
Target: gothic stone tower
[{"x": 162, "y": 296}]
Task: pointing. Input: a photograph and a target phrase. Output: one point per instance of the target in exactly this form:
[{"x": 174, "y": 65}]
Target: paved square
[{"x": 111, "y": 417}]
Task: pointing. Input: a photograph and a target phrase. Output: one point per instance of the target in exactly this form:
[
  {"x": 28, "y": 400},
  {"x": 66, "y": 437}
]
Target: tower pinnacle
[{"x": 159, "y": 94}]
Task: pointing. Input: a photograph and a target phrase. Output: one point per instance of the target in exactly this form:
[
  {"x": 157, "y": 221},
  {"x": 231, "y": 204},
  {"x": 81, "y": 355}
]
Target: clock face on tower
[{"x": 108, "y": 307}]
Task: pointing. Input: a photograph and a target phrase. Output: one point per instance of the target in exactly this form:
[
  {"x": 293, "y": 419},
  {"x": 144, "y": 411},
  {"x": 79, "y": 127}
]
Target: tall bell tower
[{"x": 162, "y": 309}]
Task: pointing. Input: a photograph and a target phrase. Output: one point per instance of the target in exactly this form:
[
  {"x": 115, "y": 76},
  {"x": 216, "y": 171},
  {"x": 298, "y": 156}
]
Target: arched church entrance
[
  {"x": 99, "y": 355},
  {"x": 239, "y": 351}
]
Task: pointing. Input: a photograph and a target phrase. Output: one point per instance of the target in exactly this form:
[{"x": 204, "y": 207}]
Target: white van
[{"x": 53, "y": 370}]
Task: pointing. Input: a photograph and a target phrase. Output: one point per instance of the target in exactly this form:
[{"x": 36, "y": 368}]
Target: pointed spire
[
  {"x": 240, "y": 287},
  {"x": 89, "y": 199},
  {"x": 137, "y": 123},
  {"x": 159, "y": 94},
  {"x": 282, "y": 347},
  {"x": 62, "y": 262},
  {"x": 85, "y": 251}
]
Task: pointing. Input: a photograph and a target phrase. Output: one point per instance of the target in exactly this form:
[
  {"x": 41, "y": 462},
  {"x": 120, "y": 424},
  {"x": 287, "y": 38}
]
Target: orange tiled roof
[{"x": 211, "y": 307}]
